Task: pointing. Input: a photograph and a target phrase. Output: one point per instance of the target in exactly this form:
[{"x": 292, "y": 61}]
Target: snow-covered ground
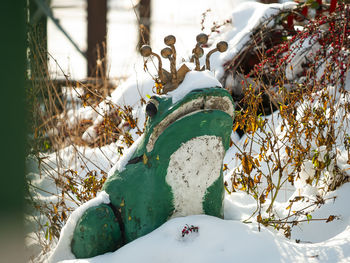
[
  {"x": 224, "y": 241},
  {"x": 217, "y": 240}
]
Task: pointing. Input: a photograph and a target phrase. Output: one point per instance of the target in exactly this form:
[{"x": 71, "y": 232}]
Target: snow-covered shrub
[{"x": 301, "y": 65}]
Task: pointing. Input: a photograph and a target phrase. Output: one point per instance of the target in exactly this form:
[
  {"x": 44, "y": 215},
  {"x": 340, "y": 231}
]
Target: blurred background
[
  {"x": 74, "y": 28},
  {"x": 123, "y": 20}
]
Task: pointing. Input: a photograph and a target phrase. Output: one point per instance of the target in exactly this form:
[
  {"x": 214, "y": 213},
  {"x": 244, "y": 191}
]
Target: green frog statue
[{"x": 174, "y": 170}]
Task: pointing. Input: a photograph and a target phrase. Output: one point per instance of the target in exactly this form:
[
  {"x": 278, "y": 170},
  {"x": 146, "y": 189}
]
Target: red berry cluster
[{"x": 189, "y": 229}]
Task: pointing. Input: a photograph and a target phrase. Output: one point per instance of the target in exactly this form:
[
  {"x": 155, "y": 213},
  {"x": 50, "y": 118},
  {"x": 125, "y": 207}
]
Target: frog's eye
[{"x": 152, "y": 107}]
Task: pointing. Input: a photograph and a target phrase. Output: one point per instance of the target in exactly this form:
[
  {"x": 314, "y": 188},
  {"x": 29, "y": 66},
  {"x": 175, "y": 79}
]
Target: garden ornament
[{"x": 176, "y": 169}]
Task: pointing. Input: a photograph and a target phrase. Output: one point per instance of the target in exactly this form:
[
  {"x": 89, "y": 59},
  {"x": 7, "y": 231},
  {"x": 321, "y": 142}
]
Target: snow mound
[{"x": 220, "y": 240}]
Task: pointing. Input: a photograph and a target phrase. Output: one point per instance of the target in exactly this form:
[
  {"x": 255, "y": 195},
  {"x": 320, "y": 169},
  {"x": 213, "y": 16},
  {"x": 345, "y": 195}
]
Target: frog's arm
[
  {"x": 99, "y": 230},
  {"x": 141, "y": 196},
  {"x": 96, "y": 232}
]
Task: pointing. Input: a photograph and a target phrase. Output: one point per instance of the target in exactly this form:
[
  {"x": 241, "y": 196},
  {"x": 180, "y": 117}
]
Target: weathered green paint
[
  {"x": 213, "y": 204},
  {"x": 140, "y": 192},
  {"x": 144, "y": 199},
  {"x": 98, "y": 232}
]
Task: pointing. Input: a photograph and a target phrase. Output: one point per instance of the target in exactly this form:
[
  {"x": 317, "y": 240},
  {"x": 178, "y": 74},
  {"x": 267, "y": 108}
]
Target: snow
[
  {"x": 302, "y": 53},
  {"x": 220, "y": 240},
  {"x": 310, "y": 232},
  {"x": 245, "y": 18},
  {"x": 194, "y": 80}
]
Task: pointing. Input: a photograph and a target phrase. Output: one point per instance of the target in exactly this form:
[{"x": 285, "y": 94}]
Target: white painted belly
[{"x": 192, "y": 169}]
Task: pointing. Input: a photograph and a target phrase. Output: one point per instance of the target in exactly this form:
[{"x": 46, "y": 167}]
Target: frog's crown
[{"x": 170, "y": 81}]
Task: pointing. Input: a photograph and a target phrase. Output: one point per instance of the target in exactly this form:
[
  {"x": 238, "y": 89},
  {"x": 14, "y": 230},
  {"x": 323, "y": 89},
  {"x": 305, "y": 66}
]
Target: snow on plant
[{"x": 300, "y": 73}]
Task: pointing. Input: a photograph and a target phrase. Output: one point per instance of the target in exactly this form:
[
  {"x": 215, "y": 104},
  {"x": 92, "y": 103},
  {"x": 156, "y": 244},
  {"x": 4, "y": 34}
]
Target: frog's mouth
[{"x": 200, "y": 104}]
